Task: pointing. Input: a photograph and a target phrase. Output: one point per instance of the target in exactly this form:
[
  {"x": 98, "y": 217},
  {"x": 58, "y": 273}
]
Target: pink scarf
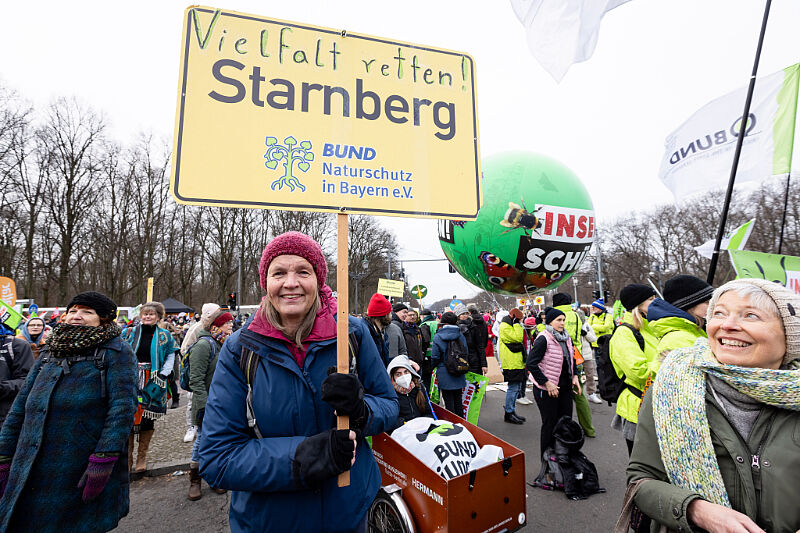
[{"x": 324, "y": 326}]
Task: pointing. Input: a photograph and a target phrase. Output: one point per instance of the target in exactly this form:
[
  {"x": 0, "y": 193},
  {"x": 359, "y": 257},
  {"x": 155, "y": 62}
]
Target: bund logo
[{"x": 287, "y": 154}]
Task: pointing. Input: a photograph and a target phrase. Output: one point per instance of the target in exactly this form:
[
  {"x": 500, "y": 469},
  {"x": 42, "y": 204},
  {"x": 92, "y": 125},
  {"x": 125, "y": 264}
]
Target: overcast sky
[{"x": 656, "y": 62}]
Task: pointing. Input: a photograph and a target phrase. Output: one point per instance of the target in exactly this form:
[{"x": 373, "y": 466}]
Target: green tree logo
[{"x": 288, "y": 155}]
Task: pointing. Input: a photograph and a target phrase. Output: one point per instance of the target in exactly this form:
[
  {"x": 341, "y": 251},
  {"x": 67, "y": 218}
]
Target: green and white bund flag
[
  {"x": 736, "y": 240},
  {"x": 699, "y": 154}
]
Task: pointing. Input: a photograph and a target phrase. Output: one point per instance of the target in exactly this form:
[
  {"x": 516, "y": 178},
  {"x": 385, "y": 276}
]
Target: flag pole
[
  {"x": 739, "y": 141},
  {"x": 785, "y": 207}
]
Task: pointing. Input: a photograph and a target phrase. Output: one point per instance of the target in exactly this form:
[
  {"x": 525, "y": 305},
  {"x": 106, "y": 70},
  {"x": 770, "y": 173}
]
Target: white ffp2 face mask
[{"x": 404, "y": 381}]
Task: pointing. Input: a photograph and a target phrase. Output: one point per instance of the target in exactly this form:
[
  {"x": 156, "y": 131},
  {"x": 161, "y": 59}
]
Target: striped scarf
[
  {"x": 217, "y": 334},
  {"x": 679, "y": 411}
]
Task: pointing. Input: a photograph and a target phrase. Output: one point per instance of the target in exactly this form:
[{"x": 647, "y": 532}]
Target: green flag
[
  {"x": 9, "y": 316},
  {"x": 736, "y": 240},
  {"x": 471, "y": 396},
  {"x": 783, "y": 269}
]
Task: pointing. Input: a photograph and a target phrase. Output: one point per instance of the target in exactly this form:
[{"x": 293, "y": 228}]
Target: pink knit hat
[{"x": 294, "y": 243}]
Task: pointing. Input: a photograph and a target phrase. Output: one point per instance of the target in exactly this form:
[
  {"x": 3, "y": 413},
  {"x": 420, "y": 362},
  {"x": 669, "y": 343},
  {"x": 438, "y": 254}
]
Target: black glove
[
  {"x": 345, "y": 394},
  {"x": 322, "y": 457},
  {"x": 199, "y": 417},
  {"x": 165, "y": 377}
]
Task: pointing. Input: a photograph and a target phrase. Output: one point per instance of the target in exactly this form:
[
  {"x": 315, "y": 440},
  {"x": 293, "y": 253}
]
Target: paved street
[{"x": 162, "y": 499}]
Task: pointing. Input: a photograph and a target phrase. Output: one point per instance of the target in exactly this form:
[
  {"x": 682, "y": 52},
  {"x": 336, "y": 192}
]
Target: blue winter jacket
[
  {"x": 447, "y": 381},
  {"x": 288, "y": 408}
]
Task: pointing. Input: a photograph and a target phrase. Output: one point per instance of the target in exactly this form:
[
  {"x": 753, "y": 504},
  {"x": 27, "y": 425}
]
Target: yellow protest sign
[
  {"x": 389, "y": 287},
  {"x": 282, "y": 115}
]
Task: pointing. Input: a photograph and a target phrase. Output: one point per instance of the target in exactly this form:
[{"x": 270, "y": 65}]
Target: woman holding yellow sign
[{"x": 269, "y": 430}]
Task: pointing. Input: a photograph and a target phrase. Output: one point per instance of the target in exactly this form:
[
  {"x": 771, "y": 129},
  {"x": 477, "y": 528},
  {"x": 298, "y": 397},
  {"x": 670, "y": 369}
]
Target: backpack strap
[
  {"x": 213, "y": 343},
  {"x": 248, "y": 364},
  {"x": 353, "y": 352},
  {"x": 636, "y": 335},
  {"x": 98, "y": 357},
  {"x": 101, "y": 365}
]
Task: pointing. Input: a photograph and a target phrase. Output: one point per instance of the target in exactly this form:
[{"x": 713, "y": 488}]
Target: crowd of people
[{"x": 704, "y": 382}]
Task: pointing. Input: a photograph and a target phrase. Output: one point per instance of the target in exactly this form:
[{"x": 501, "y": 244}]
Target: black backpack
[
  {"x": 456, "y": 360},
  {"x": 565, "y": 467},
  {"x": 609, "y": 383}
]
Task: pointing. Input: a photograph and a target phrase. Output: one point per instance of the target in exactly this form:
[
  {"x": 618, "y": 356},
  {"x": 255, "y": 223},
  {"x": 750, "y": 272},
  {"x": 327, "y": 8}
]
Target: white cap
[{"x": 401, "y": 361}]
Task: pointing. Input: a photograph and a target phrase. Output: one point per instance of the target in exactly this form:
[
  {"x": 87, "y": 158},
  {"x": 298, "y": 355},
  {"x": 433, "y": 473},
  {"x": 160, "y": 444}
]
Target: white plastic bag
[
  {"x": 487, "y": 455},
  {"x": 444, "y": 447}
]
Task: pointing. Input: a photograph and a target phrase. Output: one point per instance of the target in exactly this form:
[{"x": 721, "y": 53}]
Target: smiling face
[
  {"x": 291, "y": 287},
  {"x": 742, "y": 334},
  {"x": 148, "y": 317}
]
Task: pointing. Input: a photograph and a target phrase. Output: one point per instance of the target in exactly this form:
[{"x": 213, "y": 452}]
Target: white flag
[
  {"x": 735, "y": 241},
  {"x": 699, "y": 154},
  {"x": 562, "y": 32}
]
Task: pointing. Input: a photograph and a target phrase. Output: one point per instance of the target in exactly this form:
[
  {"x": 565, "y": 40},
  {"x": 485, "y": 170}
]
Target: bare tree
[{"x": 72, "y": 134}]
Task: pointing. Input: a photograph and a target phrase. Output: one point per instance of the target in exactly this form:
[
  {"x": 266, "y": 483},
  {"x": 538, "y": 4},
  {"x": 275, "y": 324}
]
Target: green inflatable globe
[{"x": 533, "y": 231}]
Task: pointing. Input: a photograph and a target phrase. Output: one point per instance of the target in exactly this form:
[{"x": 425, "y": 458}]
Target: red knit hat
[
  {"x": 221, "y": 319},
  {"x": 294, "y": 243},
  {"x": 378, "y": 305}
]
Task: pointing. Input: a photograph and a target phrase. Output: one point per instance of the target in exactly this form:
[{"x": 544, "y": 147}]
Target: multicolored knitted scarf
[
  {"x": 68, "y": 339},
  {"x": 218, "y": 334},
  {"x": 679, "y": 411}
]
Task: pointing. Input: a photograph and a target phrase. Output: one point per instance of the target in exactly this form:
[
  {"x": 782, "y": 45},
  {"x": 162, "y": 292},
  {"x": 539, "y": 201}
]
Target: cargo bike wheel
[{"x": 389, "y": 513}]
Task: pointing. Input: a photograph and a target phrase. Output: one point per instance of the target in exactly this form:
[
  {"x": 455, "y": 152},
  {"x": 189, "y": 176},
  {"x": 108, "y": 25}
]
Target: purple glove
[
  {"x": 96, "y": 476},
  {"x": 5, "y": 469}
]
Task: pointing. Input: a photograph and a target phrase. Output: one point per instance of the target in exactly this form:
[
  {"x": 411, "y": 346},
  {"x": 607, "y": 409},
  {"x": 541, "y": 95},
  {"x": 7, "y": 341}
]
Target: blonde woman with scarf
[{"x": 718, "y": 441}]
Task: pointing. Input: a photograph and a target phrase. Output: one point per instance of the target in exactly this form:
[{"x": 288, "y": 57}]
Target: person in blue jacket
[
  {"x": 452, "y": 386},
  {"x": 280, "y": 453}
]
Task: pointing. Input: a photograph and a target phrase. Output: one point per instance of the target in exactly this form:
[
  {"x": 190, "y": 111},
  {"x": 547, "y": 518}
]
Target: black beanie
[
  {"x": 551, "y": 314},
  {"x": 561, "y": 298},
  {"x": 449, "y": 318},
  {"x": 398, "y": 307},
  {"x": 684, "y": 291},
  {"x": 634, "y": 294},
  {"x": 102, "y": 304}
]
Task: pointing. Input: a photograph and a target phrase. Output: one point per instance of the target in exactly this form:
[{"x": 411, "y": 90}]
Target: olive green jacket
[
  {"x": 201, "y": 370},
  {"x": 774, "y": 507}
]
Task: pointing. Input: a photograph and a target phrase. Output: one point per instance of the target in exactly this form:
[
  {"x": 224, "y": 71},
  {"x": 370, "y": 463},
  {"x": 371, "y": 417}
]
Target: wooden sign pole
[{"x": 342, "y": 321}]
